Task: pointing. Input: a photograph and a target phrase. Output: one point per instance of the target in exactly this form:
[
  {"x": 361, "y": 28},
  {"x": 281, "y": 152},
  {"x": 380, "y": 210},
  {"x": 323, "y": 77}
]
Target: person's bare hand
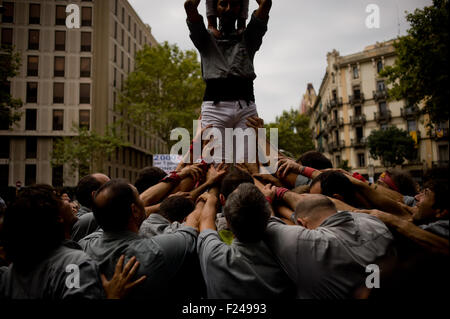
[
  {"x": 215, "y": 174},
  {"x": 216, "y": 33},
  {"x": 206, "y": 197},
  {"x": 269, "y": 191},
  {"x": 195, "y": 171},
  {"x": 255, "y": 122},
  {"x": 184, "y": 194},
  {"x": 121, "y": 284},
  {"x": 285, "y": 166}
]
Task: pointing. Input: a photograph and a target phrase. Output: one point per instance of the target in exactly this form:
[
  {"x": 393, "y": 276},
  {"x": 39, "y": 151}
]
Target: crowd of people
[{"x": 310, "y": 231}]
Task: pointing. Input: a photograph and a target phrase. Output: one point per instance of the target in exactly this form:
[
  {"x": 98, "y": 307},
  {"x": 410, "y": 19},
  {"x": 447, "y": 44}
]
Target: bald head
[
  {"x": 87, "y": 186},
  {"x": 314, "y": 209}
]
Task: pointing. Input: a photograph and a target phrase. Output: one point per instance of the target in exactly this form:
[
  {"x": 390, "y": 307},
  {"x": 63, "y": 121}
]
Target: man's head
[
  {"x": 433, "y": 201},
  {"x": 333, "y": 184},
  {"x": 247, "y": 212},
  {"x": 118, "y": 207},
  {"x": 34, "y": 224},
  {"x": 400, "y": 181},
  {"x": 231, "y": 181},
  {"x": 228, "y": 12},
  {"x": 313, "y": 210},
  {"x": 87, "y": 186},
  {"x": 148, "y": 177},
  {"x": 315, "y": 160},
  {"x": 176, "y": 208}
]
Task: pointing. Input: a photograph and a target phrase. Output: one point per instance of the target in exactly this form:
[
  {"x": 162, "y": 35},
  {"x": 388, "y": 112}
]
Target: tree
[
  {"x": 392, "y": 145},
  {"x": 164, "y": 91},
  {"x": 86, "y": 151},
  {"x": 294, "y": 134},
  {"x": 420, "y": 72},
  {"x": 9, "y": 107}
]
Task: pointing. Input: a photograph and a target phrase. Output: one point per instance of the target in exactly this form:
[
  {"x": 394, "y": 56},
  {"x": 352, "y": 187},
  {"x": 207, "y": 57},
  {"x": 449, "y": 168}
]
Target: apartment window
[
  {"x": 443, "y": 152},
  {"x": 115, "y": 78},
  {"x": 358, "y": 111},
  {"x": 145, "y": 40},
  {"x": 34, "y": 14},
  {"x": 333, "y": 78},
  {"x": 121, "y": 82},
  {"x": 359, "y": 133},
  {"x": 60, "y": 15},
  {"x": 334, "y": 93},
  {"x": 85, "y": 119},
  {"x": 115, "y": 30},
  {"x": 140, "y": 37},
  {"x": 59, "y": 66},
  {"x": 412, "y": 126},
  {"x": 383, "y": 108},
  {"x": 30, "y": 147},
  {"x": 8, "y": 14},
  {"x": 129, "y": 65},
  {"x": 115, "y": 53},
  {"x": 384, "y": 127},
  {"x": 362, "y": 160},
  {"x": 32, "y": 65},
  {"x": 58, "y": 120},
  {"x": 85, "y": 93},
  {"x": 30, "y": 174},
  {"x": 57, "y": 176},
  {"x": 115, "y": 7},
  {"x": 355, "y": 72},
  {"x": 129, "y": 23},
  {"x": 121, "y": 59},
  {"x": 86, "y": 16},
  {"x": 4, "y": 150},
  {"x": 7, "y": 37},
  {"x": 357, "y": 92},
  {"x": 60, "y": 40},
  {"x": 123, "y": 15},
  {"x": 30, "y": 119},
  {"x": 135, "y": 49},
  {"x": 32, "y": 91},
  {"x": 4, "y": 175},
  {"x": 129, "y": 44},
  {"x": 58, "y": 93},
  {"x": 85, "y": 67},
  {"x": 85, "y": 42},
  {"x": 122, "y": 39},
  {"x": 134, "y": 30},
  {"x": 381, "y": 86},
  {"x": 33, "y": 39},
  {"x": 379, "y": 66},
  {"x": 338, "y": 160}
]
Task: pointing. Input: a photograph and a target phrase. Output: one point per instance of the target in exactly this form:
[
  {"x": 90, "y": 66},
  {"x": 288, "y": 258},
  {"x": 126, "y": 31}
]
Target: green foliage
[
  {"x": 86, "y": 150},
  {"x": 294, "y": 134},
  {"x": 9, "y": 107},
  {"x": 164, "y": 91},
  {"x": 344, "y": 165},
  {"x": 421, "y": 68},
  {"x": 392, "y": 145}
]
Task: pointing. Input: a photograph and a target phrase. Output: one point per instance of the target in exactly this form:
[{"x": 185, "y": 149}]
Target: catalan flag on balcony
[
  {"x": 414, "y": 137},
  {"x": 439, "y": 133}
]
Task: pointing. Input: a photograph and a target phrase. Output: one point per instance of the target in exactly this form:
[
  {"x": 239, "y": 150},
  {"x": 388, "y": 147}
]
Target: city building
[
  {"x": 70, "y": 77},
  {"x": 353, "y": 101}
]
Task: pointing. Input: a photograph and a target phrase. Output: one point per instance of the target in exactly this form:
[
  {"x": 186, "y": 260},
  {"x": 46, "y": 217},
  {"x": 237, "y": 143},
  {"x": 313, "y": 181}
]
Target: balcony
[
  {"x": 332, "y": 123},
  {"x": 410, "y": 113},
  {"x": 440, "y": 163},
  {"x": 341, "y": 122},
  {"x": 383, "y": 117},
  {"x": 336, "y": 146},
  {"x": 439, "y": 133},
  {"x": 359, "y": 142},
  {"x": 358, "y": 119},
  {"x": 356, "y": 99},
  {"x": 380, "y": 95}
]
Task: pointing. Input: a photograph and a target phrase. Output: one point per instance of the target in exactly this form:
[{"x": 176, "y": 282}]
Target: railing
[
  {"x": 439, "y": 133},
  {"x": 379, "y": 95},
  {"x": 336, "y": 146},
  {"x": 356, "y": 99},
  {"x": 383, "y": 116},
  {"x": 358, "y": 119},
  {"x": 443, "y": 163},
  {"x": 410, "y": 112},
  {"x": 359, "y": 142}
]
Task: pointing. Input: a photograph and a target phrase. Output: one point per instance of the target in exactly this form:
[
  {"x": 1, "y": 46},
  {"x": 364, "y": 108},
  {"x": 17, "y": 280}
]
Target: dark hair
[
  {"x": 315, "y": 160},
  {"x": 176, "y": 208},
  {"x": 113, "y": 211},
  {"x": 233, "y": 179},
  {"x": 32, "y": 226},
  {"x": 247, "y": 212},
  {"x": 333, "y": 182},
  {"x": 148, "y": 176},
  {"x": 404, "y": 182},
  {"x": 437, "y": 180},
  {"x": 85, "y": 187}
]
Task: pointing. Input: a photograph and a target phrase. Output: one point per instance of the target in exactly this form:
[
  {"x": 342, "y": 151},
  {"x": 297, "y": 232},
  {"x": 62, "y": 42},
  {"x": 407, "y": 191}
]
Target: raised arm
[
  {"x": 208, "y": 214},
  {"x": 191, "y": 7},
  {"x": 264, "y": 8}
]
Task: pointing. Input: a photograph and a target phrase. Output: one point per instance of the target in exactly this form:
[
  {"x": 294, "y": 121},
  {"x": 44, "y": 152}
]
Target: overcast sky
[{"x": 300, "y": 33}]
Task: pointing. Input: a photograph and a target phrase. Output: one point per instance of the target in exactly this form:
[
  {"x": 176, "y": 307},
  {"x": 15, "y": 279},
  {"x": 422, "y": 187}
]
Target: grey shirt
[
  {"x": 83, "y": 210},
  {"x": 440, "y": 228},
  {"x": 160, "y": 257},
  {"x": 240, "y": 271},
  {"x": 85, "y": 225},
  {"x": 229, "y": 57},
  {"x": 302, "y": 180},
  {"x": 330, "y": 261},
  {"x": 47, "y": 280},
  {"x": 157, "y": 224}
]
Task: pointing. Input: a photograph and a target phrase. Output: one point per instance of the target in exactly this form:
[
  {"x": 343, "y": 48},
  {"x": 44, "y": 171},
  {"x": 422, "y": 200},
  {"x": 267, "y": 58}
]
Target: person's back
[
  {"x": 246, "y": 269},
  {"x": 55, "y": 277},
  {"x": 329, "y": 261},
  {"x": 160, "y": 257}
]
